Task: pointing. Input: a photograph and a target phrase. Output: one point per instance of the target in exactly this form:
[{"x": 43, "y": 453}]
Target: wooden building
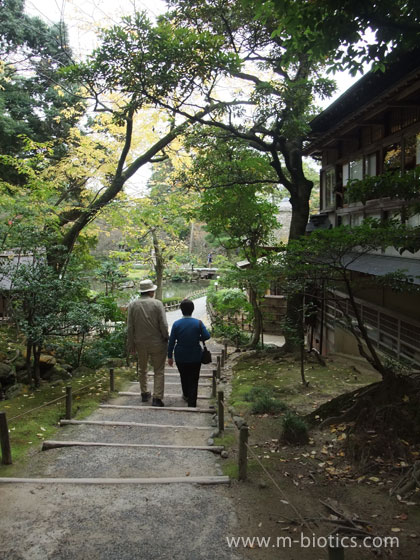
[{"x": 372, "y": 128}]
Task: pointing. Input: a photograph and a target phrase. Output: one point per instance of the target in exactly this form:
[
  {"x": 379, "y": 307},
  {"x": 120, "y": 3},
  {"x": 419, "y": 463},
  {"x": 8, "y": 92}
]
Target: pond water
[
  {"x": 182, "y": 289},
  {"x": 170, "y": 290}
]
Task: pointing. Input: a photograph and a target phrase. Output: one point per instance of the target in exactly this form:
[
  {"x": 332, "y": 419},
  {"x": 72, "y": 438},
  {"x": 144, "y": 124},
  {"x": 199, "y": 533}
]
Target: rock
[
  {"x": 262, "y": 484},
  {"x": 214, "y": 433},
  {"x": 22, "y": 376},
  {"x": 7, "y": 374},
  {"x": 210, "y": 441},
  {"x": 14, "y": 391},
  {"x": 213, "y": 423},
  {"x": 55, "y": 373},
  {"x": 20, "y": 363},
  {"x": 82, "y": 370},
  {"x": 224, "y": 454},
  {"x": 239, "y": 421},
  {"x": 46, "y": 359},
  {"x": 67, "y": 367}
]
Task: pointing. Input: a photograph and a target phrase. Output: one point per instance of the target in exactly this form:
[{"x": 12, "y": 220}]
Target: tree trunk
[
  {"x": 37, "y": 372},
  {"x": 159, "y": 265},
  {"x": 257, "y": 321},
  {"x": 28, "y": 362},
  {"x": 300, "y": 191}
]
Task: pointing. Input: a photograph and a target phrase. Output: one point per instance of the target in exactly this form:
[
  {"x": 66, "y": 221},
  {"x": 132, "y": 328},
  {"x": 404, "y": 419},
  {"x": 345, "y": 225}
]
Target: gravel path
[{"x": 175, "y": 521}]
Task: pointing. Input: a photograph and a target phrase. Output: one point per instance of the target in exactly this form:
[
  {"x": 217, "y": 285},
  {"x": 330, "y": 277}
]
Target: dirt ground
[{"x": 295, "y": 494}]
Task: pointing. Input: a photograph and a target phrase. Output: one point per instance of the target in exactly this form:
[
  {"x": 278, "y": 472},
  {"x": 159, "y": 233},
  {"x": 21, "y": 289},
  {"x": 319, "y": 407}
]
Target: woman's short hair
[{"x": 187, "y": 307}]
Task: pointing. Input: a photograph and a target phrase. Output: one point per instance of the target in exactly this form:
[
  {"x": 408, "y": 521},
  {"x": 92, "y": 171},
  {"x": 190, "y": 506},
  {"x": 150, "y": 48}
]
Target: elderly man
[{"x": 147, "y": 335}]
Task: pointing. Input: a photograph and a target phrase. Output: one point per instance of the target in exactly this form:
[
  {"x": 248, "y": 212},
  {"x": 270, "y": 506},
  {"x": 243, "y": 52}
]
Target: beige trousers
[{"x": 156, "y": 354}]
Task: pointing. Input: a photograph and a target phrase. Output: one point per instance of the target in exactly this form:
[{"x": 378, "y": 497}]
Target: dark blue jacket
[{"x": 186, "y": 334}]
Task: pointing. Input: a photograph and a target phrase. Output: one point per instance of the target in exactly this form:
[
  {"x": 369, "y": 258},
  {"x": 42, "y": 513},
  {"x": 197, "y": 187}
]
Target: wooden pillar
[
  {"x": 213, "y": 384},
  {"x": 69, "y": 402},
  {"x": 6, "y": 454},
  {"x": 220, "y": 411},
  {"x": 218, "y": 367},
  {"x": 111, "y": 380},
  {"x": 243, "y": 452}
]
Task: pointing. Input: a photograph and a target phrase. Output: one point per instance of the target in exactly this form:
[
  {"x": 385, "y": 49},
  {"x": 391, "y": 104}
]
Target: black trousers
[{"x": 190, "y": 374}]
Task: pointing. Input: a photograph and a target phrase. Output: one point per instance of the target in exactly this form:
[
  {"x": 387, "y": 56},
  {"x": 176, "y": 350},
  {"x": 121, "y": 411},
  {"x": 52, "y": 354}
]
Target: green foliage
[
  {"x": 263, "y": 401},
  {"x": 228, "y": 301},
  {"x": 111, "y": 275},
  {"x": 229, "y": 332},
  {"x": 108, "y": 308},
  {"x": 107, "y": 345},
  {"x": 34, "y": 102},
  {"x": 396, "y": 185},
  {"x": 295, "y": 430},
  {"x": 337, "y": 31},
  {"x": 170, "y": 60}
]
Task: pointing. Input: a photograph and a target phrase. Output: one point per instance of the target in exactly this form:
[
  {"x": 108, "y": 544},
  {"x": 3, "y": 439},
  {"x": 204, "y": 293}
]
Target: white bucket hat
[{"x": 147, "y": 286}]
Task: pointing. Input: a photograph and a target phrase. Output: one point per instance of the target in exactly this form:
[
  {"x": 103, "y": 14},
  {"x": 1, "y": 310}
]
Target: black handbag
[{"x": 206, "y": 354}]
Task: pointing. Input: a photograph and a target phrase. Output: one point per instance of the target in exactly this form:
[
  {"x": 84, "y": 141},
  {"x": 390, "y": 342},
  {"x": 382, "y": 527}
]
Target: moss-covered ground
[{"x": 34, "y": 415}]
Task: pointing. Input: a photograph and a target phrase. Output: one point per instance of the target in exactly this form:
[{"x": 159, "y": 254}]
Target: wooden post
[
  {"x": 68, "y": 403},
  {"x": 213, "y": 385},
  {"x": 222, "y": 359},
  {"x": 225, "y": 350},
  {"x": 218, "y": 367},
  {"x": 335, "y": 553},
  {"x": 220, "y": 411},
  {"x": 243, "y": 452},
  {"x": 111, "y": 380},
  {"x": 6, "y": 454}
]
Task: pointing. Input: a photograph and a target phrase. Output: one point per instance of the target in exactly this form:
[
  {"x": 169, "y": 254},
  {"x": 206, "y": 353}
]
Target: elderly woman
[{"x": 185, "y": 338}]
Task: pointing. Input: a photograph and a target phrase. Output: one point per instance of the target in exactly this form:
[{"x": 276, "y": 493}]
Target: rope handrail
[
  {"x": 52, "y": 402},
  {"x": 282, "y": 493}
]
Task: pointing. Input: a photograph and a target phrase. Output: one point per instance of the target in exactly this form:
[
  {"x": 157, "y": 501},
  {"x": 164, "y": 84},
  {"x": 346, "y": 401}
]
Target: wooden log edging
[
  {"x": 158, "y": 408},
  {"x": 137, "y": 394},
  {"x": 133, "y": 424},
  {"x": 51, "y": 444},
  {"x": 155, "y": 480}
]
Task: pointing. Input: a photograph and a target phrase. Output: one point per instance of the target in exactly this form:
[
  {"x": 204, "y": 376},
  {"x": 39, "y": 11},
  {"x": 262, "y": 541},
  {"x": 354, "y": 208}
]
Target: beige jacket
[{"x": 146, "y": 323}]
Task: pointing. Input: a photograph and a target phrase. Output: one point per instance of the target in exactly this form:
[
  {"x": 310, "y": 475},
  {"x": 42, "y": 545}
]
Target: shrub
[
  {"x": 263, "y": 401},
  {"x": 295, "y": 430},
  {"x": 231, "y": 333},
  {"x": 108, "y": 345}
]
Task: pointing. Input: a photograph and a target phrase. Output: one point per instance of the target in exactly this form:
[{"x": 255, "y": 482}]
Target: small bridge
[{"x": 205, "y": 272}]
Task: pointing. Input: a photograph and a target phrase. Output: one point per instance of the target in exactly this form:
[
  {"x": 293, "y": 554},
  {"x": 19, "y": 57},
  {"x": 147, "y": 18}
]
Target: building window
[
  {"x": 411, "y": 152},
  {"x": 328, "y": 188},
  {"x": 356, "y": 169},
  {"x": 352, "y": 170},
  {"x": 392, "y": 157},
  {"x": 371, "y": 165}
]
